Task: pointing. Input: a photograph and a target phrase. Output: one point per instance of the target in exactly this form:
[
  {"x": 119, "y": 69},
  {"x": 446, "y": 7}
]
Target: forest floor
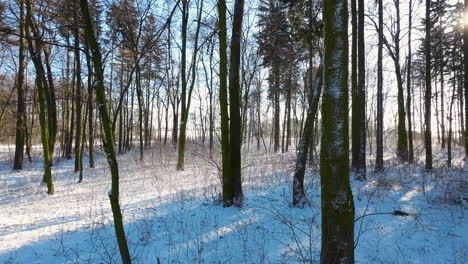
[{"x": 176, "y": 216}]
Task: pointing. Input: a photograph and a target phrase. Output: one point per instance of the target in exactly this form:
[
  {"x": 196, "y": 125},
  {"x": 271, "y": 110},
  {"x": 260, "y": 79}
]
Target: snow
[{"x": 175, "y": 216}]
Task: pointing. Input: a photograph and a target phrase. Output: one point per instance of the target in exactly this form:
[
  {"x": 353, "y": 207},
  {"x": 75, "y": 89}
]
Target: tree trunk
[
  {"x": 187, "y": 95},
  {"x": 465, "y": 65},
  {"x": 109, "y": 134},
  {"x": 408, "y": 87},
  {"x": 359, "y": 103},
  {"x": 228, "y": 185},
  {"x": 337, "y": 198},
  {"x": 449, "y": 141},
  {"x": 235, "y": 131},
  {"x": 428, "y": 92},
  {"x": 77, "y": 97},
  {"x": 276, "y": 129},
  {"x": 402, "y": 140},
  {"x": 442, "y": 105},
  {"x": 183, "y": 125},
  {"x": 35, "y": 51},
  {"x": 140, "y": 108},
  {"x": 21, "y": 105},
  {"x": 379, "y": 165},
  {"x": 90, "y": 111},
  {"x": 51, "y": 101},
  {"x": 299, "y": 198}
]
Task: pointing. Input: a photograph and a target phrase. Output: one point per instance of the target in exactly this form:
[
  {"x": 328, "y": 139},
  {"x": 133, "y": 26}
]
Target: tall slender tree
[
  {"x": 299, "y": 198},
  {"x": 21, "y": 104},
  {"x": 359, "y": 98},
  {"x": 428, "y": 92},
  {"x": 108, "y": 132},
  {"x": 408, "y": 86},
  {"x": 186, "y": 94},
  {"x": 78, "y": 88},
  {"x": 35, "y": 47},
  {"x": 379, "y": 165},
  {"x": 465, "y": 65}
]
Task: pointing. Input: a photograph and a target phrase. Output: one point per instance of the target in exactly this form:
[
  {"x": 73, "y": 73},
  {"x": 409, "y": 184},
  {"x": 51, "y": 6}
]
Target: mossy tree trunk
[
  {"x": 41, "y": 82},
  {"x": 337, "y": 198},
  {"x": 108, "y": 132},
  {"x": 186, "y": 95}
]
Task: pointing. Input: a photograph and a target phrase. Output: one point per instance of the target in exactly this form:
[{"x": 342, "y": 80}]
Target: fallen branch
[{"x": 395, "y": 213}]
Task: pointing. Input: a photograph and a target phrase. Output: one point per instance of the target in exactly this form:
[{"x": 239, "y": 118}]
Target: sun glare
[{"x": 465, "y": 18}]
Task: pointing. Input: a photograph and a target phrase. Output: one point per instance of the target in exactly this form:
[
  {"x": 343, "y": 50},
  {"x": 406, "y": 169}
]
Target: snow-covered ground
[{"x": 176, "y": 216}]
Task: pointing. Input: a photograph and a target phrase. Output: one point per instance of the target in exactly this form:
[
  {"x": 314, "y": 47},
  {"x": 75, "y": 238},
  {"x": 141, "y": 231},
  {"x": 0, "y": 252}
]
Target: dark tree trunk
[
  {"x": 181, "y": 151},
  {"x": 428, "y": 92},
  {"x": 337, "y": 198},
  {"x": 359, "y": 103},
  {"x": 299, "y": 198},
  {"x": 442, "y": 105},
  {"x": 140, "y": 109},
  {"x": 408, "y": 87},
  {"x": 276, "y": 122},
  {"x": 21, "y": 105},
  {"x": 402, "y": 140},
  {"x": 449, "y": 140},
  {"x": 51, "y": 102},
  {"x": 465, "y": 65},
  {"x": 68, "y": 152},
  {"x": 90, "y": 111},
  {"x": 228, "y": 187},
  {"x": 77, "y": 97},
  {"x": 288, "y": 117},
  {"x": 379, "y": 166},
  {"x": 235, "y": 104}
]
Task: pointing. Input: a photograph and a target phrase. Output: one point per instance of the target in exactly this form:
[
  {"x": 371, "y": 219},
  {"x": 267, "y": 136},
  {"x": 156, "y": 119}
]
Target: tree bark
[{"x": 337, "y": 198}]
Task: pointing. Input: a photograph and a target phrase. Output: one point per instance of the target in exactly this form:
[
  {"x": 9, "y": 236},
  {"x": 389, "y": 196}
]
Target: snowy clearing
[{"x": 176, "y": 216}]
